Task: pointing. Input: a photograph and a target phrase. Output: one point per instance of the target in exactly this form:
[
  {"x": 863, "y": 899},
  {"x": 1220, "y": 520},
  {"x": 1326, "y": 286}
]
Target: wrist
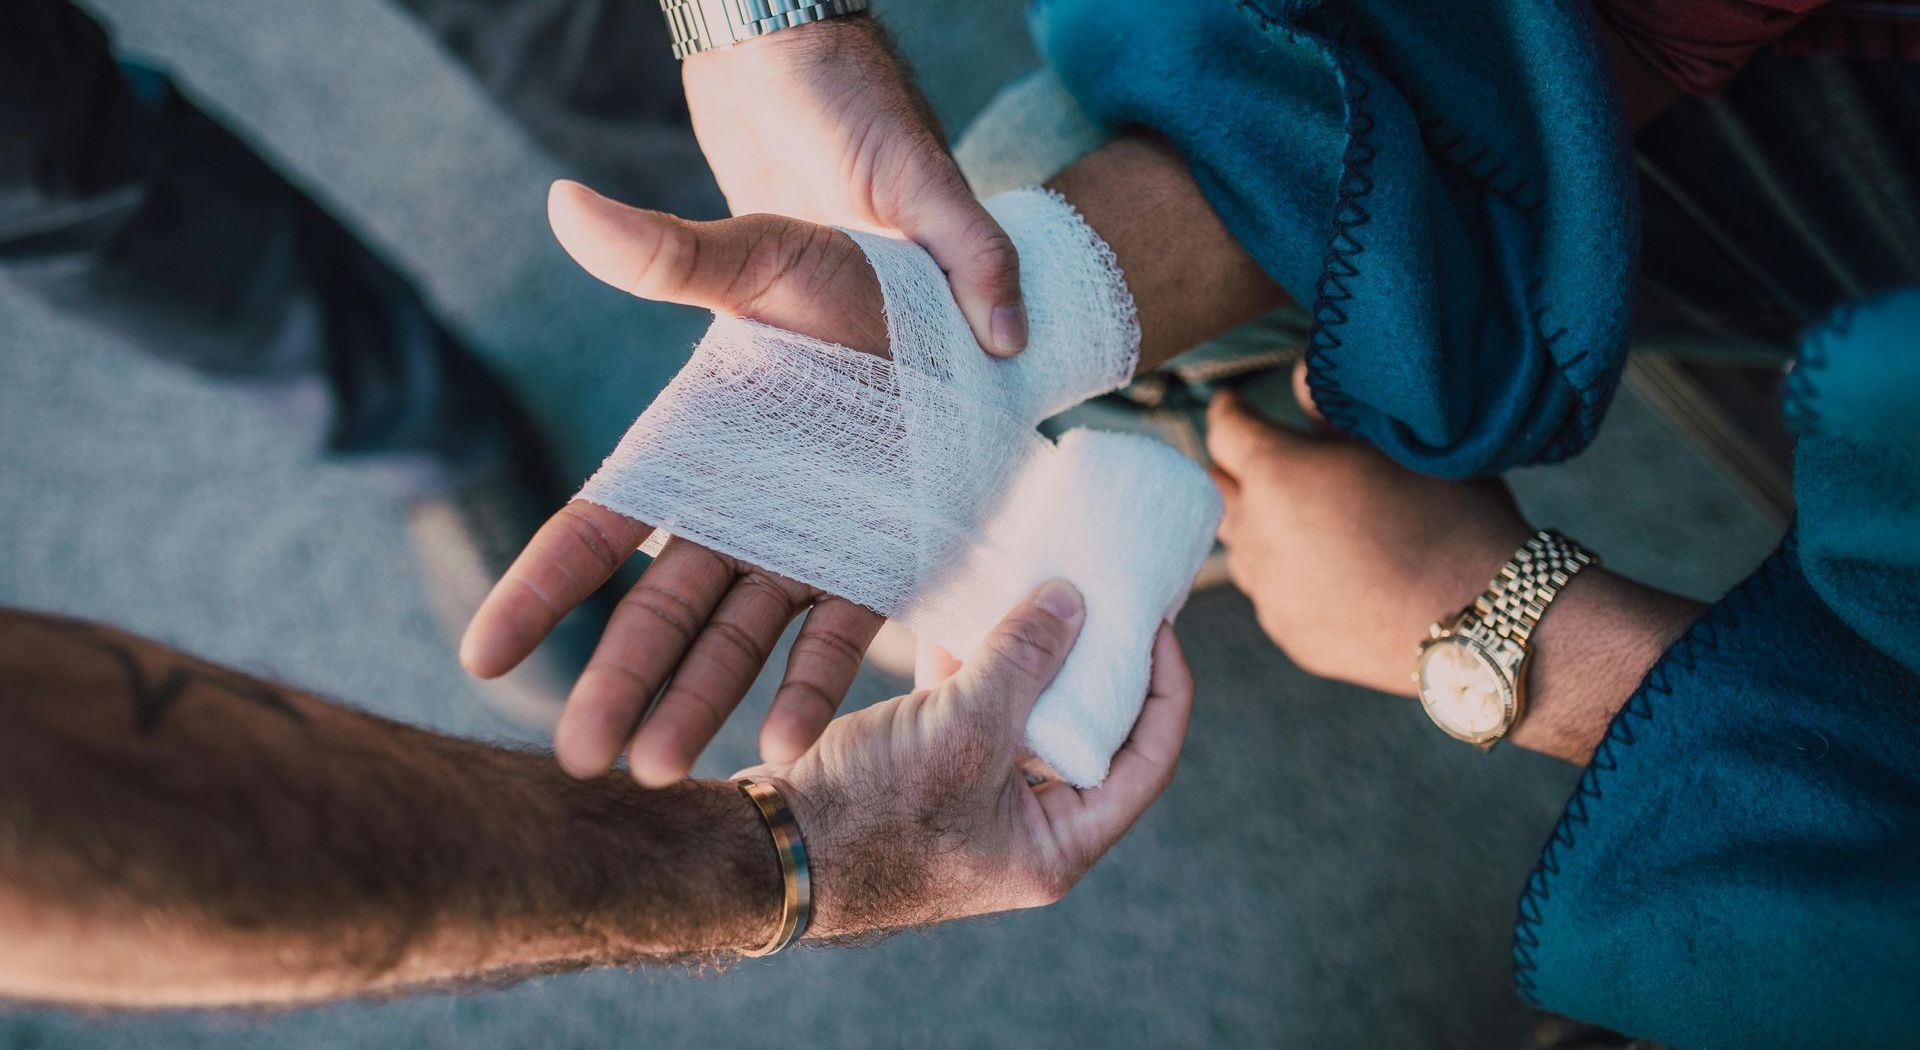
[
  {"x": 818, "y": 815},
  {"x": 1590, "y": 653}
]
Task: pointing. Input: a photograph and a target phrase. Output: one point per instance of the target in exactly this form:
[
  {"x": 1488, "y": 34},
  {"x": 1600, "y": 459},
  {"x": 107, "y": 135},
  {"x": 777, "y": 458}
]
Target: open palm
[{"x": 698, "y": 626}]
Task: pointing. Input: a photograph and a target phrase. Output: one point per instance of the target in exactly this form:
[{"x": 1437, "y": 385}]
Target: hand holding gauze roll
[{"x": 919, "y": 486}]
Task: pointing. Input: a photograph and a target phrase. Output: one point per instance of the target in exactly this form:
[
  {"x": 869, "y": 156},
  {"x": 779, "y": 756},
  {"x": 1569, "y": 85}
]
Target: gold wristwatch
[{"x": 1472, "y": 674}]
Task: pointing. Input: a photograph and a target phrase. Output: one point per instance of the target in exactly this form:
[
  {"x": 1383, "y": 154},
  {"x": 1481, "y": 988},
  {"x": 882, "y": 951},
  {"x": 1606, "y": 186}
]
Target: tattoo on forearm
[{"x": 153, "y": 695}]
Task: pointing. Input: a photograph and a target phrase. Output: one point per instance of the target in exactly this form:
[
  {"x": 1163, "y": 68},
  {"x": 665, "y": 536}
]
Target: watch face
[{"x": 1462, "y": 691}]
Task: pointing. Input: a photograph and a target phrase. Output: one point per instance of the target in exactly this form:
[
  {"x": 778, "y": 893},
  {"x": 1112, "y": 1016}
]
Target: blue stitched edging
[
  {"x": 1480, "y": 164},
  {"x": 1680, "y": 658},
  {"x": 1349, "y": 214},
  {"x": 1797, "y": 400},
  {"x": 1453, "y": 147}
]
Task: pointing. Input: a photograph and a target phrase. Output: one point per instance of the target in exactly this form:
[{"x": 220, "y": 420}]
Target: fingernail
[
  {"x": 1059, "y": 598},
  {"x": 1010, "y": 328}
]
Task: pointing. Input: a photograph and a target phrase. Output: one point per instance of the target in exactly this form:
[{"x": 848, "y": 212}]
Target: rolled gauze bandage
[{"x": 919, "y": 486}]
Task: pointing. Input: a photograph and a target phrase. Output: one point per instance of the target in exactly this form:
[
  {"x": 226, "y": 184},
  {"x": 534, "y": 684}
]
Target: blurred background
[{"x": 1328, "y": 870}]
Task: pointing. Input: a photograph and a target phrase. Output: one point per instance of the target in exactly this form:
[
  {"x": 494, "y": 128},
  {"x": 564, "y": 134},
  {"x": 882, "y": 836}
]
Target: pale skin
[
  {"x": 698, "y": 626},
  {"x": 821, "y": 122},
  {"x": 174, "y": 833}
]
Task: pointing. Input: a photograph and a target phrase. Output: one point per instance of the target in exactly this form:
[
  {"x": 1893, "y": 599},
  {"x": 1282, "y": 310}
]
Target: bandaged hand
[
  {"x": 912, "y": 482},
  {"x": 706, "y": 621}
]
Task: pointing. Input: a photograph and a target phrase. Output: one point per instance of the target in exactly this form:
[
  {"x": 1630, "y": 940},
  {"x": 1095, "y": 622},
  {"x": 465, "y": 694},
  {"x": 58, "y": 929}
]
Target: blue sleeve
[
  {"x": 1740, "y": 864},
  {"x": 1450, "y": 191}
]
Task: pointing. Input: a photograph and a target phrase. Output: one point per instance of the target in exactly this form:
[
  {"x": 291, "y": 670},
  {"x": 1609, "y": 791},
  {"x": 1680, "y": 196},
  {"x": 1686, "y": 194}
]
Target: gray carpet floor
[{"x": 1328, "y": 871}]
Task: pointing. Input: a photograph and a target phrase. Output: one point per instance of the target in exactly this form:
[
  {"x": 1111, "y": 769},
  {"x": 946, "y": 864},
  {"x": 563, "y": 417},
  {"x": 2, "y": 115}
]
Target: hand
[
  {"x": 698, "y": 622},
  {"x": 821, "y": 122},
  {"x": 915, "y": 810},
  {"x": 1347, "y": 555}
]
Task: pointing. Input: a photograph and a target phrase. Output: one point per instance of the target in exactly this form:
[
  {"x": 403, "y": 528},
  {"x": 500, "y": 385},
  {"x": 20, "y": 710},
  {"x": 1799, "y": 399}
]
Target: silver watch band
[
  {"x": 1528, "y": 583},
  {"x": 702, "y": 25}
]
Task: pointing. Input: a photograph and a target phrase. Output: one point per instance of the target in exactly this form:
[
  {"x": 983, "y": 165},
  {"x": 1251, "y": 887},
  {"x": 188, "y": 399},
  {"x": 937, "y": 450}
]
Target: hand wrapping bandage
[{"x": 919, "y": 486}]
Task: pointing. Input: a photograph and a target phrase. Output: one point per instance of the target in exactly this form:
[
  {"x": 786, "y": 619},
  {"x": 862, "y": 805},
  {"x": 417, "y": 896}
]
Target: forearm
[
  {"x": 175, "y": 833},
  {"x": 1597, "y": 642},
  {"x": 1190, "y": 280}
]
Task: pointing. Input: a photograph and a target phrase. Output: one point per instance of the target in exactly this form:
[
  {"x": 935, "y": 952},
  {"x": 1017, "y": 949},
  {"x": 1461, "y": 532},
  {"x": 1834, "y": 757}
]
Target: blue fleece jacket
[
  {"x": 1740, "y": 864},
  {"x": 1449, "y": 188}
]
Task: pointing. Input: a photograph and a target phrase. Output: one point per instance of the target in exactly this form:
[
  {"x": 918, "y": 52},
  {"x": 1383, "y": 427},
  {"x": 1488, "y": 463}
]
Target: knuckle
[
  {"x": 625, "y": 679},
  {"x": 675, "y": 258},
  {"x": 710, "y": 709},
  {"x": 748, "y": 650},
  {"x": 587, "y": 534},
  {"x": 549, "y": 608},
  {"x": 773, "y": 245},
  {"x": 805, "y": 691},
  {"x": 992, "y": 255},
  {"x": 829, "y": 645},
  {"x": 670, "y": 609},
  {"x": 783, "y": 593},
  {"x": 1028, "y": 649}
]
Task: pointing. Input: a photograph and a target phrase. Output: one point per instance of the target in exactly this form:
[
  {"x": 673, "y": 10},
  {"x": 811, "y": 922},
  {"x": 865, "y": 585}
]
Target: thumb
[
  {"x": 980, "y": 261},
  {"x": 1018, "y": 660},
  {"x": 1237, "y": 434},
  {"x": 646, "y": 253},
  {"x": 775, "y": 270}
]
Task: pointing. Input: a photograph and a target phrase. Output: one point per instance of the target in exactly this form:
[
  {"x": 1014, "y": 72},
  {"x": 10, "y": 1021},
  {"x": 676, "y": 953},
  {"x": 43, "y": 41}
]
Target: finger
[
  {"x": 821, "y": 666},
  {"x": 1021, "y": 655},
  {"x": 979, "y": 258},
  {"x": 645, "y": 253},
  {"x": 1303, "y": 394},
  {"x": 776, "y": 270},
  {"x": 565, "y": 562},
  {"x": 932, "y": 665},
  {"x": 645, "y": 637},
  {"x": 1145, "y": 764},
  {"x": 1237, "y": 434},
  {"x": 717, "y": 671}
]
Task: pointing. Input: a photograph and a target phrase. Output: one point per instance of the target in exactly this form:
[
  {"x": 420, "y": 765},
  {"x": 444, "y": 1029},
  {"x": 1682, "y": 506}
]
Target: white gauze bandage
[{"x": 920, "y": 487}]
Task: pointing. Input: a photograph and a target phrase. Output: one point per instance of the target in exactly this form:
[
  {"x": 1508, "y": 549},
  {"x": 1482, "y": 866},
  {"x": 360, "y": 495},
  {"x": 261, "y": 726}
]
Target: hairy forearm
[
  {"x": 175, "y": 833},
  {"x": 1593, "y": 648}
]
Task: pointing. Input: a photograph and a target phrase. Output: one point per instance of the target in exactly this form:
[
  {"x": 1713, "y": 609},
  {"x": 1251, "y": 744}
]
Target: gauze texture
[{"x": 919, "y": 486}]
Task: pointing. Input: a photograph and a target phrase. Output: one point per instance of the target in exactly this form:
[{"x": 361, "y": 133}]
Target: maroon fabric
[
  {"x": 1701, "y": 44},
  {"x": 1845, "y": 30}
]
